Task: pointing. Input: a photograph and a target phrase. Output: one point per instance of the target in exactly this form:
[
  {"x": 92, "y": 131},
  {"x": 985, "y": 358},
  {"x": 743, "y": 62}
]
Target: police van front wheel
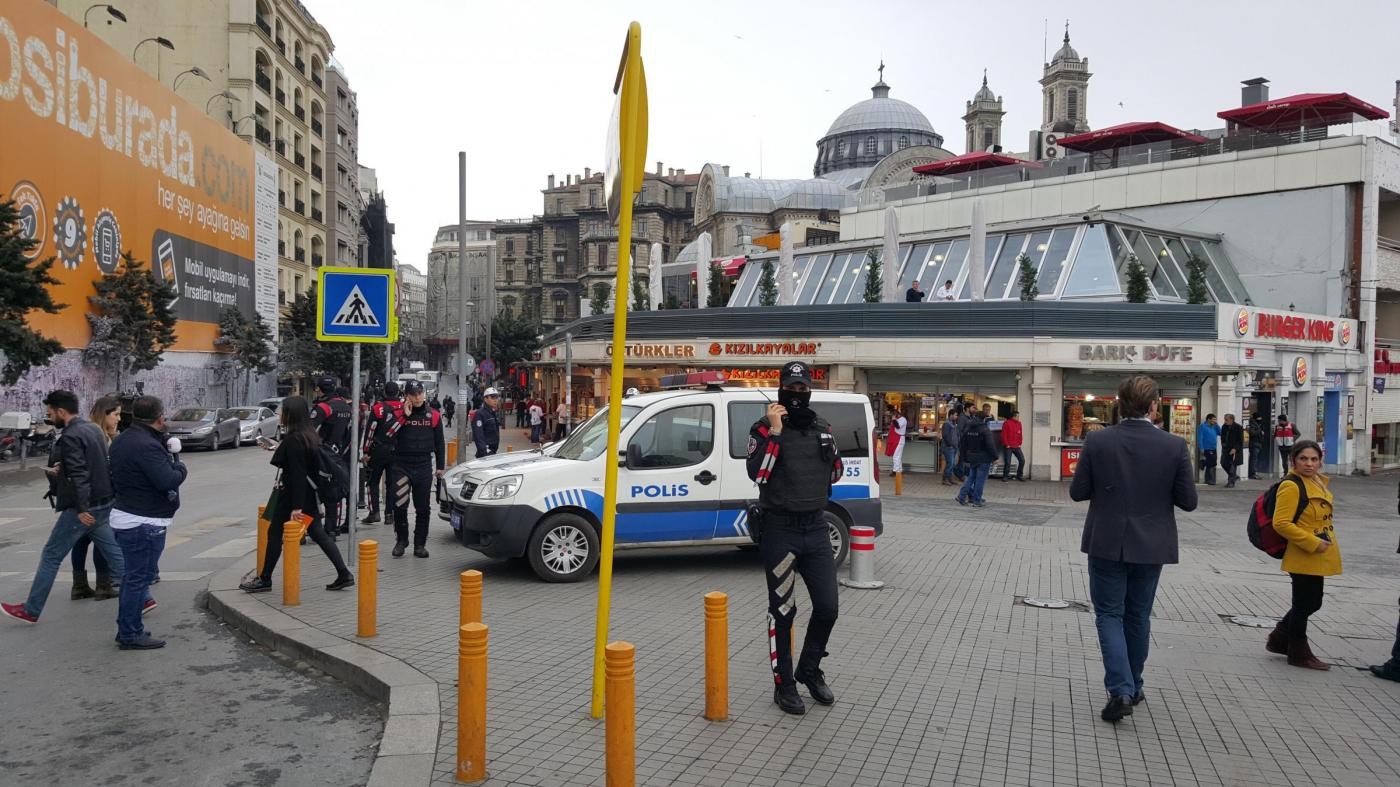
[
  {"x": 840, "y": 537},
  {"x": 563, "y": 548}
]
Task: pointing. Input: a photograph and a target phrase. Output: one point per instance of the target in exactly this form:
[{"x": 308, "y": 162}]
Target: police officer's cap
[
  {"x": 795, "y": 372},
  {"x": 326, "y": 385},
  {"x": 391, "y": 389},
  {"x": 412, "y": 387}
]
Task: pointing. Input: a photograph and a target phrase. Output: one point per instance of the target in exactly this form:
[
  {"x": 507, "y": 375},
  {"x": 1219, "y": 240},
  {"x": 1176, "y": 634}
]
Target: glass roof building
[{"x": 1086, "y": 261}]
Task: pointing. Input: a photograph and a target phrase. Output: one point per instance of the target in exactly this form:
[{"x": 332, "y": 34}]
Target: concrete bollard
[
  {"x": 451, "y": 453},
  {"x": 368, "y": 587},
  {"x": 470, "y": 606},
  {"x": 620, "y": 721},
  {"x": 263, "y": 525},
  {"x": 716, "y": 656},
  {"x": 291, "y": 563},
  {"x": 862, "y": 559},
  {"x": 471, "y": 702}
]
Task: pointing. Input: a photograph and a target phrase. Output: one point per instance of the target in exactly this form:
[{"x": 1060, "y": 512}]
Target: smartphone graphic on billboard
[{"x": 165, "y": 258}]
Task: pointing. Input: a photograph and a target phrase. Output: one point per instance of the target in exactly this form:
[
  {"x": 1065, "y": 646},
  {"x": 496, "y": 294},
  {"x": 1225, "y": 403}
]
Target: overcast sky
[{"x": 525, "y": 87}]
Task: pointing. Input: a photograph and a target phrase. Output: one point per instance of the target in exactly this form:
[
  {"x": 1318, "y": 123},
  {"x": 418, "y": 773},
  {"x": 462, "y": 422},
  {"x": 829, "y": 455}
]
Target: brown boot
[
  {"x": 104, "y": 588},
  {"x": 1300, "y": 655},
  {"x": 1278, "y": 640}
]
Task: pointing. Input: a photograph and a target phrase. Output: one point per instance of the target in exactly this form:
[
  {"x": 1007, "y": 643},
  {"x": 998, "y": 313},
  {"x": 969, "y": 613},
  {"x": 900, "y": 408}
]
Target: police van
[{"x": 682, "y": 480}]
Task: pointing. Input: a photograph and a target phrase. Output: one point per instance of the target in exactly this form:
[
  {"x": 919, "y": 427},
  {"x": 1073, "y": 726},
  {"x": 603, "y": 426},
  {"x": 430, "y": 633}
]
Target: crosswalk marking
[{"x": 236, "y": 547}]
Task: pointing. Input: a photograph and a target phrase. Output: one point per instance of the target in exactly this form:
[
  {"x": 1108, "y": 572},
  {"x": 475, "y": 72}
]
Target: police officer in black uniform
[
  {"x": 418, "y": 445},
  {"x": 378, "y": 448},
  {"x": 330, "y": 417},
  {"x": 486, "y": 424},
  {"x": 792, "y": 457}
]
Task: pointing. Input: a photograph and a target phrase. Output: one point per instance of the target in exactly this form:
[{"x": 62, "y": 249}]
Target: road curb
[{"x": 408, "y": 748}]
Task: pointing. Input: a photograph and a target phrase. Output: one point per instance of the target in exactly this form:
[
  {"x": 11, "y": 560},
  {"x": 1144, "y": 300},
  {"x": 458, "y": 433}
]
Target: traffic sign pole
[{"x": 354, "y": 451}]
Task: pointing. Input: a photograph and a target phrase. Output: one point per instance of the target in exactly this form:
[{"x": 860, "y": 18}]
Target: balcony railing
[
  {"x": 316, "y": 214},
  {"x": 263, "y": 135},
  {"x": 301, "y": 207},
  {"x": 300, "y": 113},
  {"x": 316, "y": 171},
  {"x": 316, "y": 260},
  {"x": 281, "y": 146},
  {"x": 319, "y": 82},
  {"x": 301, "y": 65},
  {"x": 300, "y": 255},
  {"x": 300, "y": 159},
  {"x": 281, "y": 46},
  {"x": 264, "y": 81},
  {"x": 265, "y": 27},
  {"x": 281, "y": 96},
  {"x": 316, "y": 126}
]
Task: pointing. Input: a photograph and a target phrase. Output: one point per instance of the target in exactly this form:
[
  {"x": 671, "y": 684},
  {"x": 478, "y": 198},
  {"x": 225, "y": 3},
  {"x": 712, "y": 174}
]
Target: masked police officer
[
  {"x": 418, "y": 445},
  {"x": 792, "y": 457},
  {"x": 330, "y": 417},
  {"x": 378, "y": 448}
]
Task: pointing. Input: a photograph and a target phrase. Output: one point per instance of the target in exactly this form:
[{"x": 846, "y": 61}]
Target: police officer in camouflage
[{"x": 792, "y": 457}]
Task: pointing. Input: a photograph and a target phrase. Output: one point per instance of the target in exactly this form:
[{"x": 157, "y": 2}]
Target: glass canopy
[{"x": 1076, "y": 261}]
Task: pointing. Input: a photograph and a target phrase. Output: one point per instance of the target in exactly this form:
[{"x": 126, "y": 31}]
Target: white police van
[{"x": 681, "y": 481}]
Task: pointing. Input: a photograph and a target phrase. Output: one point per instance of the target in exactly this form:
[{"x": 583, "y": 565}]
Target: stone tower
[
  {"x": 1066, "y": 87},
  {"x": 983, "y": 119}
]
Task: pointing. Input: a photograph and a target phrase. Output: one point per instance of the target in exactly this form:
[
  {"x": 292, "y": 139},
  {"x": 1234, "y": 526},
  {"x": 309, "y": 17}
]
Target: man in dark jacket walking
[
  {"x": 1132, "y": 474},
  {"x": 1260, "y": 450},
  {"x": 976, "y": 453},
  {"x": 147, "y": 473},
  {"x": 949, "y": 436},
  {"x": 1231, "y": 449},
  {"x": 486, "y": 424},
  {"x": 82, "y": 495}
]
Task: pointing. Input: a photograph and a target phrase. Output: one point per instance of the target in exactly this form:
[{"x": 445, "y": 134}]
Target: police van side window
[
  {"x": 847, "y": 421},
  {"x": 677, "y": 437}
]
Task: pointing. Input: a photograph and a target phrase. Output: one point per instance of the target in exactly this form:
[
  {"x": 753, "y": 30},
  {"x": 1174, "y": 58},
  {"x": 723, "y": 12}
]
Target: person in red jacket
[{"x": 1011, "y": 446}]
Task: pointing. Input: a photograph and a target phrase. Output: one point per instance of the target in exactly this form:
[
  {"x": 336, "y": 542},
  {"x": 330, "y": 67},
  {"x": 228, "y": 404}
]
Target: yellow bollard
[
  {"x": 510, "y": 448},
  {"x": 898, "y": 484},
  {"x": 471, "y": 702},
  {"x": 620, "y": 723},
  {"x": 368, "y": 587},
  {"x": 291, "y": 563},
  {"x": 716, "y": 656},
  {"x": 263, "y": 525},
  {"x": 471, "y": 598},
  {"x": 451, "y": 453}
]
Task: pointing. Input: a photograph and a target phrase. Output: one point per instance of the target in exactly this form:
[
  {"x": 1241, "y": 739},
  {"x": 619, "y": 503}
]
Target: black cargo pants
[
  {"x": 794, "y": 544},
  {"x": 412, "y": 477}
]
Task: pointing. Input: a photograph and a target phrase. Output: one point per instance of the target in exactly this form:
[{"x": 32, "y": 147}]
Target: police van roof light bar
[{"x": 712, "y": 380}]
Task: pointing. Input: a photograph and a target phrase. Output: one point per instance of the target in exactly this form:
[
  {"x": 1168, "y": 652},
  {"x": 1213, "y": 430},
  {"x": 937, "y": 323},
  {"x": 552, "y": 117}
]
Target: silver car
[
  {"x": 204, "y": 427},
  {"x": 253, "y": 422}
]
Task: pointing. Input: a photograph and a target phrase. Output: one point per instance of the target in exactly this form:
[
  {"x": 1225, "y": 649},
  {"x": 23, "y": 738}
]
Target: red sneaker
[
  {"x": 18, "y": 612},
  {"x": 148, "y": 606}
]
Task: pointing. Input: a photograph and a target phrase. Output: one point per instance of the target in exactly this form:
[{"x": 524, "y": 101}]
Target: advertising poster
[{"x": 102, "y": 159}]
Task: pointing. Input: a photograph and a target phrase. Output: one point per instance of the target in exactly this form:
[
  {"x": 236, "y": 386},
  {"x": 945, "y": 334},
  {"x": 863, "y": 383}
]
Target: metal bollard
[
  {"x": 368, "y": 588},
  {"x": 263, "y": 525},
  {"x": 451, "y": 453},
  {"x": 291, "y": 563},
  {"x": 716, "y": 656},
  {"x": 862, "y": 559},
  {"x": 471, "y": 702},
  {"x": 470, "y": 607},
  {"x": 620, "y": 722}
]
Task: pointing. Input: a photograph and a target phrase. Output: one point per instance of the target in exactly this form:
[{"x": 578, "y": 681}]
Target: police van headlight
[
  {"x": 454, "y": 481},
  {"x": 500, "y": 489}
]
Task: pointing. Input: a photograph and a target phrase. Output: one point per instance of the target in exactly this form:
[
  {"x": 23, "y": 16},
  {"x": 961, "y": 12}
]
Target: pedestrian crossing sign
[{"x": 356, "y": 305}]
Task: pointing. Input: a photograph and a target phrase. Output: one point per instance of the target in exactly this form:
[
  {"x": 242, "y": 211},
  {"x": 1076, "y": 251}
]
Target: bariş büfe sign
[{"x": 1282, "y": 326}]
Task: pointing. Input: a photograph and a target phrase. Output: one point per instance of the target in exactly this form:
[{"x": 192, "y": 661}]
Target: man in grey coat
[{"x": 1134, "y": 476}]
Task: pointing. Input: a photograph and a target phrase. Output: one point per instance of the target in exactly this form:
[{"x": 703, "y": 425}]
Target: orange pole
[
  {"x": 451, "y": 453},
  {"x": 263, "y": 525},
  {"x": 471, "y": 702},
  {"x": 716, "y": 656},
  {"x": 470, "y": 607},
  {"x": 291, "y": 563},
  {"x": 368, "y": 587},
  {"x": 898, "y": 484},
  {"x": 620, "y": 723}
]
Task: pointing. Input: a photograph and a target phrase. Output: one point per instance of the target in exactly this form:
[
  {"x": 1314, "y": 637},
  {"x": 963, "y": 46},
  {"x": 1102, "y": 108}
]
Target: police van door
[{"x": 670, "y": 487}]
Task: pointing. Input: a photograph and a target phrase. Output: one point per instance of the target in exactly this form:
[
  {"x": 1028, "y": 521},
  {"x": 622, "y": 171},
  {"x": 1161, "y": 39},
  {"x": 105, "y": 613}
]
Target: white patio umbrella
[
  {"x": 654, "y": 271},
  {"x": 702, "y": 269},
  {"x": 786, "y": 285},
  {"x": 977, "y": 255},
  {"x": 890, "y": 262}
]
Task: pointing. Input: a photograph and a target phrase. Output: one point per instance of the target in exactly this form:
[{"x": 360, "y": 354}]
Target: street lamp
[
  {"x": 112, "y": 11},
  {"x": 165, "y": 42},
  {"x": 223, "y": 94},
  {"x": 196, "y": 70}
]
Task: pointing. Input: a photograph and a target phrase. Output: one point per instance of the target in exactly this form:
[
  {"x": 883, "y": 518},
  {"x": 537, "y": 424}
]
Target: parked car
[
  {"x": 253, "y": 422},
  {"x": 204, "y": 427},
  {"x": 274, "y": 403}
]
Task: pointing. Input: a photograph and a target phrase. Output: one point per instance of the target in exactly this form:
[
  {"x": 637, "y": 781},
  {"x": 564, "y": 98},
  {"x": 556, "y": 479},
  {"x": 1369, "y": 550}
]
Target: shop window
[
  {"x": 1092, "y": 272},
  {"x": 679, "y": 437}
]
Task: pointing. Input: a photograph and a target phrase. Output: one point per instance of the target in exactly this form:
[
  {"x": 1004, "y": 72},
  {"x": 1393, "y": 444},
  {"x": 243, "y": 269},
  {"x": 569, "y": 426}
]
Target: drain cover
[
  {"x": 1046, "y": 603},
  {"x": 1253, "y": 621}
]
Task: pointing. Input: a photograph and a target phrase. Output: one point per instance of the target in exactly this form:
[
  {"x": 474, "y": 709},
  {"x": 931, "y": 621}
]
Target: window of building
[
  {"x": 559, "y": 263},
  {"x": 559, "y": 205},
  {"x": 841, "y": 148},
  {"x": 510, "y": 274},
  {"x": 903, "y": 143},
  {"x": 1049, "y": 106},
  {"x": 510, "y": 247},
  {"x": 593, "y": 198},
  {"x": 602, "y": 263},
  {"x": 1072, "y": 104},
  {"x": 871, "y": 147},
  {"x": 988, "y": 139},
  {"x": 508, "y": 306},
  {"x": 690, "y": 200},
  {"x": 561, "y": 306}
]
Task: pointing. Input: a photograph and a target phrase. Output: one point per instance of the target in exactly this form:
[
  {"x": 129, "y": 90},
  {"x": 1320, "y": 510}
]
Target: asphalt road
[{"x": 209, "y": 709}]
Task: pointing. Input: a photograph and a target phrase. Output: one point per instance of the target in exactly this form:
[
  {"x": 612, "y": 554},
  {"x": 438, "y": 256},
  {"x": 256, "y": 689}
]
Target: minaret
[
  {"x": 983, "y": 119},
  {"x": 1066, "y": 88}
]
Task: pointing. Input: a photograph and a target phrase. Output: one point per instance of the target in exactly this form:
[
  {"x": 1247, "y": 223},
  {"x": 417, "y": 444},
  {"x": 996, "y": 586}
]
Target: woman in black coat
[{"x": 297, "y": 457}]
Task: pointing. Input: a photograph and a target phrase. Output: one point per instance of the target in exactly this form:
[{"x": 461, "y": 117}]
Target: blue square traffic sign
[{"x": 356, "y": 305}]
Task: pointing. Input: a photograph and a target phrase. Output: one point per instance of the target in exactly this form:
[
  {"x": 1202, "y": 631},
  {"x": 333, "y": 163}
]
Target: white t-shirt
[
  {"x": 536, "y": 415},
  {"x": 121, "y": 520},
  {"x": 901, "y": 425},
  {"x": 945, "y": 293},
  {"x": 562, "y": 412}
]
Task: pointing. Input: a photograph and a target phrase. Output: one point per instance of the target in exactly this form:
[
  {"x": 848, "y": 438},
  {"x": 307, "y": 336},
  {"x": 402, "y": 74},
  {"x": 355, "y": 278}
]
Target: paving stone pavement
[{"x": 942, "y": 677}]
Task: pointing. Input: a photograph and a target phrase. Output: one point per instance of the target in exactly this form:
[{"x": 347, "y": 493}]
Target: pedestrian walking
[
  {"x": 1134, "y": 476},
  {"x": 976, "y": 452},
  {"x": 1231, "y": 450},
  {"x": 106, "y": 412},
  {"x": 147, "y": 474},
  {"x": 1011, "y": 438},
  {"x": 377, "y": 452},
  {"x": 81, "y": 490},
  {"x": 1303, "y": 516},
  {"x": 449, "y": 409},
  {"x": 948, "y": 436},
  {"x": 295, "y": 497},
  {"x": 1284, "y": 436},
  {"x": 486, "y": 424},
  {"x": 894, "y": 441},
  {"x": 792, "y": 457},
  {"x": 522, "y": 408},
  {"x": 1260, "y": 451},
  {"x": 418, "y": 448},
  {"x": 536, "y": 422},
  {"x": 914, "y": 294},
  {"x": 946, "y": 292},
  {"x": 1391, "y": 669},
  {"x": 1208, "y": 443}
]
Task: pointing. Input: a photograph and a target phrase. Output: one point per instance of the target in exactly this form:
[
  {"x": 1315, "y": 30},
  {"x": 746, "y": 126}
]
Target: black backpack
[
  {"x": 331, "y": 477},
  {"x": 1260, "y": 527}
]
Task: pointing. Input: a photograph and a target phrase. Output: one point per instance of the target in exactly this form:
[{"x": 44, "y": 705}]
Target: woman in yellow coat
[{"x": 1312, "y": 551}]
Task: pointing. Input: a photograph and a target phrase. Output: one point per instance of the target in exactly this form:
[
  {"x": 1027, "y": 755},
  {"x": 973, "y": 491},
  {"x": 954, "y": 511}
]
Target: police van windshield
[{"x": 591, "y": 439}]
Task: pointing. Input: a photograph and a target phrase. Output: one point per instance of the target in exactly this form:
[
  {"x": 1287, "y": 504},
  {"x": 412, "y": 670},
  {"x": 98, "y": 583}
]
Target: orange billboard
[{"x": 102, "y": 159}]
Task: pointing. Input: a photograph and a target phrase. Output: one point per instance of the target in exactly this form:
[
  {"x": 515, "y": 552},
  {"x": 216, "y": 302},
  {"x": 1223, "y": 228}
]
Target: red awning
[
  {"x": 1128, "y": 134},
  {"x": 1304, "y": 109},
  {"x": 733, "y": 266},
  {"x": 971, "y": 162}
]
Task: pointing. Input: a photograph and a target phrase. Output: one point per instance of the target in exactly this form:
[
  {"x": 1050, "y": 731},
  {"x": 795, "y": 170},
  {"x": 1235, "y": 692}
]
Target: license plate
[{"x": 456, "y": 520}]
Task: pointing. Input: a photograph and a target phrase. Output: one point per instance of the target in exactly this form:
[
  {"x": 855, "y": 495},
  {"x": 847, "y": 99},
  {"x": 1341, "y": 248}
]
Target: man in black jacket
[
  {"x": 1231, "y": 449},
  {"x": 147, "y": 473},
  {"x": 418, "y": 446},
  {"x": 977, "y": 453},
  {"x": 330, "y": 417},
  {"x": 486, "y": 424},
  {"x": 1132, "y": 474},
  {"x": 82, "y": 492}
]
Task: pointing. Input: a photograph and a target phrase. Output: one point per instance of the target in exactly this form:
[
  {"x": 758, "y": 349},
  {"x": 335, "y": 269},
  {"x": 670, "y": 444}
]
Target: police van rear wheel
[
  {"x": 840, "y": 537},
  {"x": 564, "y": 548}
]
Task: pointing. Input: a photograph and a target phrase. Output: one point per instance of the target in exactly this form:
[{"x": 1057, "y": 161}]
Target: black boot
[
  {"x": 372, "y": 518},
  {"x": 809, "y": 674},
  {"x": 81, "y": 588},
  {"x": 104, "y": 588},
  {"x": 399, "y": 548},
  {"x": 785, "y": 695}
]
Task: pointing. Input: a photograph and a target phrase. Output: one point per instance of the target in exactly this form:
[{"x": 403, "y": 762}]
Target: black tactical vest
[
  {"x": 801, "y": 479},
  {"x": 415, "y": 437}
]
